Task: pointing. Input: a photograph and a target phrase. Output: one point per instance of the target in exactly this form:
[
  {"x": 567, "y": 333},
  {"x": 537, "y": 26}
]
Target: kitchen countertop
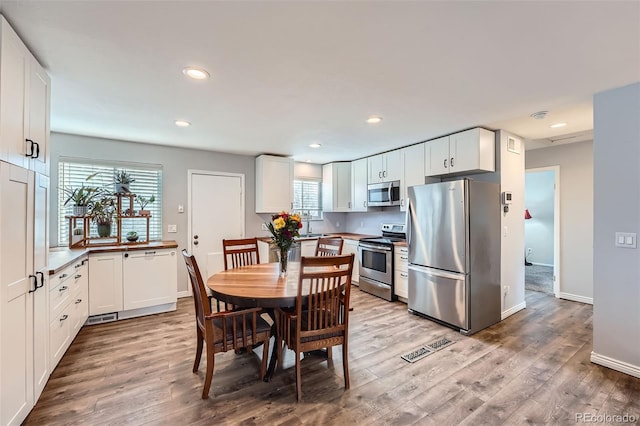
[
  {"x": 344, "y": 235},
  {"x": 61, "y": 257}
]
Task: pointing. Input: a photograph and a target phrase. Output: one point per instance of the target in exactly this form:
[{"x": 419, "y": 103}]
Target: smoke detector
[{"x": 539, "y": 115}]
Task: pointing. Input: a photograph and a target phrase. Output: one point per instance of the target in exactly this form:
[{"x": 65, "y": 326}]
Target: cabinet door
[
  {"x": 472, "y": 150},
  {"x": 349, "y": 247},
  {"x": 16, "y": 304},
  {"x": 14, "y": 62},
  {"x": 437, "y": 157},
  {"x": 274, "y": 184},
  {"x": 38, "y": 115},
  {"x": 308, "y": 247},
  {"x": 336, "y": 187},
  {"x": 263, "y": 251},
  {"x": 359, "y": 185},
  {"x": 105, "y": 283},
  {"x": 392, "y": 166},
  {"x": 413, "y": 167},
  {"x": 375, "y": 165},
  {"x": 150, "y": 278}
]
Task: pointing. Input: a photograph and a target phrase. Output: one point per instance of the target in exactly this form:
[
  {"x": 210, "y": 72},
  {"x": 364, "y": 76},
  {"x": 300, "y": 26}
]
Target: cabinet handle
[
  {"x": 79, "y": 265},
  {"x": 404, "y": 258},
  {"x": 403, "y": 275},
  {"x": 41, "y": 280},
  {"x": 35, "y": 283},
  {"x": 445, "y": 163},
  {"x": 64, "y": 317},
  {"x": 63, "y": 288},
  {"x": 380, "y": 175},
  {"x": 77, "y": 276},
  {"x": 78, "y": 301},
  {"x": 451, "y": 162},
  {"x": 150, "y": 252},
  {"x": 349, "y": 204},
  {"x": 29, "y": 154},
  {"x": 364, "y": 204},
  {"x": 384, "y": 173},
  {"x": 37, "y": 150},
  {"x": 63, "y": 276}
]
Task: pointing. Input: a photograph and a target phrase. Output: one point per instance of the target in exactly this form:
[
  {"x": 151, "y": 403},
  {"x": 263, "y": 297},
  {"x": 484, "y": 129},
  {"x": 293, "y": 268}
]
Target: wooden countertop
[
  {"x": 61, "y": 257},
  {"x": 344, "y": 235}
]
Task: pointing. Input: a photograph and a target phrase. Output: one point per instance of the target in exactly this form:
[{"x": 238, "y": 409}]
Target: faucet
[{"x": 308, "y": 227}]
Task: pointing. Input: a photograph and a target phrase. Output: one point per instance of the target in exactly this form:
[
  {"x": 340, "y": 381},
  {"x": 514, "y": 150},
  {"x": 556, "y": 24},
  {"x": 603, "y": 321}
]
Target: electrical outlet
[
  {"x": 172, "y": 228},
  {"x": 529, "y": 250}
]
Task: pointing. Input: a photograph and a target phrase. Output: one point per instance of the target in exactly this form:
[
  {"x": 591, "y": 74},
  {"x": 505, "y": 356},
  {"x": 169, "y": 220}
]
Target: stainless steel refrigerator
[{"x": 453, "y": 233}]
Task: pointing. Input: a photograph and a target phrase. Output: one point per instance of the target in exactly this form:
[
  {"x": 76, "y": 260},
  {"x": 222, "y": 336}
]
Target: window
[
  {"x": 307, "y": 197},
  {"x": 147, "y": 182}
]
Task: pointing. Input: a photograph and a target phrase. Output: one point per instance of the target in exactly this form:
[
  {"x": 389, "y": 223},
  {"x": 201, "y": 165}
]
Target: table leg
[{"x": 275, "y": 351}]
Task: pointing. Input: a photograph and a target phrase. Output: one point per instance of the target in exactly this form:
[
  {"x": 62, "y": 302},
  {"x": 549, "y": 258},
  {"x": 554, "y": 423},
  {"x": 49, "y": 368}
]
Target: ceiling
[{"x": 287, "y": 74}]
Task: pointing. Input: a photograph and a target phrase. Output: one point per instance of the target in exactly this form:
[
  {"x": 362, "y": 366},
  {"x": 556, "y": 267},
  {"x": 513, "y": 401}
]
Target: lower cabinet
[
  {"x": 401, "y": 273},
  {"x": 308, "y": 247},
  {"x": 130, "y": 282},
  {"x": 351, "y": 246}
]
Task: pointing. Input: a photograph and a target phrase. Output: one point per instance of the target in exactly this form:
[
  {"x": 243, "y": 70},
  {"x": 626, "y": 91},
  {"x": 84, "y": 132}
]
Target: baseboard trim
[
  {"x": 614, "y": 364},
  {"x": 182, "y": 294},
  {"x": 513, "y": 310},
  {"x": 576, "y": 298}
]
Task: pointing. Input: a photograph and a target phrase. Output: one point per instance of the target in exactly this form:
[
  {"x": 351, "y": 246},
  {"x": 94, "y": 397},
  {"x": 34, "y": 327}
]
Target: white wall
[
  {"x": 538, "y": 231},
  {"x": 576, "y": 214},
  {"x": 175, "y": 163},
  {"x": 616, "y": 312}
]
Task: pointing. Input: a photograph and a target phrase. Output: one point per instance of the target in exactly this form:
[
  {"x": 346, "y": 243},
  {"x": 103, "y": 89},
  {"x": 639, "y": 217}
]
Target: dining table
[{"x": 260, "y": 285}]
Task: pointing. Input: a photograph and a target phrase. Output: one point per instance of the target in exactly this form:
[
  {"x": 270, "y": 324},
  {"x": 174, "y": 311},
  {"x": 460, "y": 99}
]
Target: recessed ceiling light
[
  {"x": 556, "y": 125},
  {"x": 196, "y": 73},
  {"x": 539, "y": 115},
  {"x": 315, "y": 145},
  {"x": 308, "y": 161},
  {"x": 182, "y": 123},
  {"x": 374, "y": 120}
]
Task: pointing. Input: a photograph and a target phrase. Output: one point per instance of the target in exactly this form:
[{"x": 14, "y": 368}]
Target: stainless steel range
[{"x": 376, "y": 261}]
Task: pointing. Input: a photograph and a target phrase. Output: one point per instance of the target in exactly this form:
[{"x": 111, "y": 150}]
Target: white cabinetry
[
  {"x": 413, "y": 171},
  {"x": 471, "y": 151},
  {"x": 105, "y": 283},
  {"x": 349, "y": 247},
  {"x": 385, "y": 167},
  {"x": 263, "y": 251},
  {"x": 149, "y": 278},
  {"x": 24, "y": 104},
  {"x": 359, "y": 180},
  {"x": 308, "y": 247},
  {"x": 401, "y": 272},
  {"x": 274, "y": 184},
  {"x": 336, "y": 187}
]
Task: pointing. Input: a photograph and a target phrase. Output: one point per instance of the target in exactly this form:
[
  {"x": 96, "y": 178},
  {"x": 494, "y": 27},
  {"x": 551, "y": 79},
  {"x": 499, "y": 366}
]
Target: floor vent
[
  {"x": 99, "y": 319},
  {"x": 427, "y": 349}
]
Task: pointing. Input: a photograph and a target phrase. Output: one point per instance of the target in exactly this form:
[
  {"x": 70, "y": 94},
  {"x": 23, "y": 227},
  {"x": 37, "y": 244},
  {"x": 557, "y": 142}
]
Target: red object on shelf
[{"x": 527, "y": 215}]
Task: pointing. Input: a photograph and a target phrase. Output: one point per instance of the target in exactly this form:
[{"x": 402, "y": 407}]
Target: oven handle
[{"x": 380, "y": 249}]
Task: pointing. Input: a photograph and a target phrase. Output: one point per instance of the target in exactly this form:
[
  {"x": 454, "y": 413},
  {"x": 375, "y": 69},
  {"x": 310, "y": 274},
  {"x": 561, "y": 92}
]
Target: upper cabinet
[
  {"x": 359, "y": 180},
  {"x": 385, "y": 167},
  {"x": 471, "y": 151},
  {"x": 336, "y": 187},
  {"x": 413, "y": 171},
  {"x": 24, "y": 104},
  {"x": 274, "y": 184}
]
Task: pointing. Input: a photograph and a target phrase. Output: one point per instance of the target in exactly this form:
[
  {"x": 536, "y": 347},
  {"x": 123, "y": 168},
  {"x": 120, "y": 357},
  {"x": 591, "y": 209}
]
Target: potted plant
[
  {"x": 82, "y": 197},
  {"x": 121, "y": 181},
  {"x": 142, "y": 202},
  {"x": 132, "y": 236},
  {"x": 102, "y": 213}
]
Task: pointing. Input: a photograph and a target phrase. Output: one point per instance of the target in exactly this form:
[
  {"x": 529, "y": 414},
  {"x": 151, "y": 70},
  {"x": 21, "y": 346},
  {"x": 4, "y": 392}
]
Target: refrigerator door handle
[
  {"x": 407, "y": 221},
  {"x": 436, "y": 272}
]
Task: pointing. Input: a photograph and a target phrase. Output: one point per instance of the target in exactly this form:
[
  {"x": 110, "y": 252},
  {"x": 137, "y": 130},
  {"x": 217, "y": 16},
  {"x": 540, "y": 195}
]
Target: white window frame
[{"x": 316, "y": 213}]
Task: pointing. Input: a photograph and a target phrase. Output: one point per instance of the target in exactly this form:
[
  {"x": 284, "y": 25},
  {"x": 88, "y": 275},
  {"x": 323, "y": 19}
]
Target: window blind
[
  {"x": 147, "y": 182},
  {"x": 307, "y": 197}
]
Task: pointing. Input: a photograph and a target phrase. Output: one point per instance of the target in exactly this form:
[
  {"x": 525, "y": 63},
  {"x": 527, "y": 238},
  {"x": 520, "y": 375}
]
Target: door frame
[
  {"x": 190, "y": 173},
  {"x": 556, "y": 223}
]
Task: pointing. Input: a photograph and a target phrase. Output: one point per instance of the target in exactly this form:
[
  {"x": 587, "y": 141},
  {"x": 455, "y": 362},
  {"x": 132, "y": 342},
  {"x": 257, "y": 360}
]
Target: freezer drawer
[{"x": 440, "y": 295}]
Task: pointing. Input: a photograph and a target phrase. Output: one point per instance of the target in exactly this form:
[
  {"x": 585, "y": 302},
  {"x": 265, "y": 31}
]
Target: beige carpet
[{"x": 539, "y": 278}]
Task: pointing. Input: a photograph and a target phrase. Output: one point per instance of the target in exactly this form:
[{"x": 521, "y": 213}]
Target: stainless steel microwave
[{"x": 383, "y": 194}]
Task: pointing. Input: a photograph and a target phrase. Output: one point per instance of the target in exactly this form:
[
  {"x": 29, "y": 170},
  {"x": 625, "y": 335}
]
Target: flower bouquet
[{"x": 284, "y": 227}]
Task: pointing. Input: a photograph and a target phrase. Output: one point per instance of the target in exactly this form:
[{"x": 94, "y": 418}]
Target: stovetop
[
  {"x": 384, "y": 240},
  {"x": 391, "y": 233}
]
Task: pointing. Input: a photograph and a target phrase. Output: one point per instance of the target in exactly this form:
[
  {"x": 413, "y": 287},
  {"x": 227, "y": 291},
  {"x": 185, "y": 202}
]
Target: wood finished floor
[{"x": 532, "y": 368}]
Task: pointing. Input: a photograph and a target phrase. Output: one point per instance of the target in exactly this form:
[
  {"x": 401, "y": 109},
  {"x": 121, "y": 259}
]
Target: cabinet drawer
[
  {"x": 59, "y": 335},
  {"x": 60, "y": 292},
  {"x": 401, "y": 283},
  {"x": 401, "y": 258}
]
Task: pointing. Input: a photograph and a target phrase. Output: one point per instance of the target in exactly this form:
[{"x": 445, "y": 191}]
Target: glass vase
[
  {"x": 289, "y": 258},
  {"x": 283, "y": 260}
]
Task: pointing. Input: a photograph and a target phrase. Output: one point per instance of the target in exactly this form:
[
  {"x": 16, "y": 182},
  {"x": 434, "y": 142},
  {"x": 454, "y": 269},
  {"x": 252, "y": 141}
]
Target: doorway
[
  {"x": 542, "y": 230},
  {"x": 216, "y": 212}
]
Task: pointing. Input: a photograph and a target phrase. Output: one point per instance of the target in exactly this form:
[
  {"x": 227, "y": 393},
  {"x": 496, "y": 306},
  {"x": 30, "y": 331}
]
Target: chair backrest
[
  {"x": 200, "y": 298},
  {"x": 326, "y": 310},
  {"x": 329, "y": 246},
  {"x": 241, "y": 252}
]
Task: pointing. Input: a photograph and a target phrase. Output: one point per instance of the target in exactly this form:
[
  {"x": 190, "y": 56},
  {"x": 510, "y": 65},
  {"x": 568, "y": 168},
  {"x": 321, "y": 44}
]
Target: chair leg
[
  {"x": 200, "y": 339},
  {"x": 329, "y": 352},
  {"x": 265, "y": 355},
  {"x": 209, "y": 374},
  {"x": 279, "y": 342},
  {"x": 298, "y": 378},
  {"x": 345, "y": 363}
]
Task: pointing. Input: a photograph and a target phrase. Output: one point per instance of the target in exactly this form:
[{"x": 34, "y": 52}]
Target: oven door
[{"x": 375, "y": 262}]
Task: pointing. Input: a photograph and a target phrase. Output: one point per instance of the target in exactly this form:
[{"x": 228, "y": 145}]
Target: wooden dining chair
[
  {"x": 223, "y": 331},
  {"x": 320, "y": 320},
  {"x": 329, "y": 246}
]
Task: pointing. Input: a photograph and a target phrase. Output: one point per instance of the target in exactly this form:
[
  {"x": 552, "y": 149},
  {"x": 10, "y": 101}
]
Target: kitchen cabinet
[
  {"x": 359, "y": 181},
  {"x": 308, "y": 247},
  {"x": 385, "y": 167},
  {"x": 413, "y": 171},
  {"x": 263, "y": 251},
  {"x": 349, "y": 247},
  {"x": 336, "y": 187},
  {"x": 105, "y": 283},
  {"x": 401, "y": 273},
  {"x": 274, "y": 184},
  {"x": 24, "y": 104},
  {"x": 471, "y": 151},
  {"x": 149, "y": 278}
]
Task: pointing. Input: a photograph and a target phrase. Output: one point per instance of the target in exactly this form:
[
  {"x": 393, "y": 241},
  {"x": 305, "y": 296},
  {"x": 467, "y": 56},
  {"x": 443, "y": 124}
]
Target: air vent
[{"x": 99, "y": 319}]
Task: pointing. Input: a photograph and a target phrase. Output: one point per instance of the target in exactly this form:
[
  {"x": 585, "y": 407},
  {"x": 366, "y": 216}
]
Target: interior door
[{"x": 216, "y": 212}]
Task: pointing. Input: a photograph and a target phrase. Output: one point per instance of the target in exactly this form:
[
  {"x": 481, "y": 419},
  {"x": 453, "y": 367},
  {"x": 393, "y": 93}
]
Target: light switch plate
[
  {"x": 172, "y": 228},
  {"x": 626, "y": 239}
]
